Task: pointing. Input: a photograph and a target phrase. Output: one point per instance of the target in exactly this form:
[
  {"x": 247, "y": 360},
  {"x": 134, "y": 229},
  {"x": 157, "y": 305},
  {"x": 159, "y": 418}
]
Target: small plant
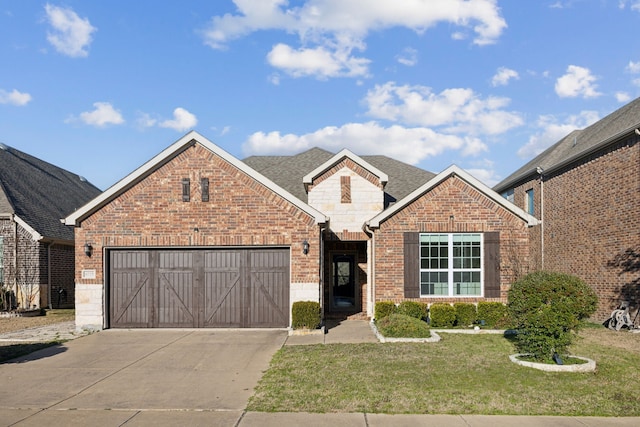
[
  {"x": 492, "y": 313},
  {"x": 384, "y": 309},
  {"x": 442, "y": 315},
  {"x": 465, "y": 314},
  {"x": 305, "y": 315},
  {"x": 547, "y": 309},
  {"x": 403, "y": 326},
  {"x": 413, "y": 309}
]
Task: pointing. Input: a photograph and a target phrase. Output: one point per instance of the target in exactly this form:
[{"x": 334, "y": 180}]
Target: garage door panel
[{"x": 239, "y": 287}]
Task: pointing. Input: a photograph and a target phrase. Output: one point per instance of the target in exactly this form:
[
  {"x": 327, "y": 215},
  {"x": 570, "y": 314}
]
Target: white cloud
[
  {"x": 145, "y": 120},
  {"x": 182, "y": 120},
  {"x": 503, "y": 76},
  {"x": 14, "y": 97},
  {"x": 578, "y": 81},
  {"x": 633, "y": 67},
  {"x": 552, "y": 131},
  {"x": 487, "y": 176},
  {"x": 320, "y": 62},
  {"x": 330, "y": 30},
  {"x": 633, "y": 4},
  {"x": 69, "y": 34},
  {"x": 104, "y": 114},
  {"x": 456, "y": 110},
  {"x": 410, "y": 145},
  {"x": 623, "y": 97},
  {"x": 408, "y": 57}
]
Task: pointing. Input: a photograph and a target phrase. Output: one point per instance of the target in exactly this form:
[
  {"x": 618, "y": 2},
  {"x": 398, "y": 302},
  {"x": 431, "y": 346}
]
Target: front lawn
[{"x": 462, "y": 374}]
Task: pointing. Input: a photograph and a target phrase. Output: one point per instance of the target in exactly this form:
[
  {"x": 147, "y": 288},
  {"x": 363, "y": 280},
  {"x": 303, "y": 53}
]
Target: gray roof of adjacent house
[
  {"x": 40, "y": 194},
  {"x": 288, "y": 172},
  {"x": 580, "y": 143}
]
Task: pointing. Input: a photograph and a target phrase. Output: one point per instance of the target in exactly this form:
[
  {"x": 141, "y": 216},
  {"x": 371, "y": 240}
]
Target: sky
[{"x": 101, "y": 87}]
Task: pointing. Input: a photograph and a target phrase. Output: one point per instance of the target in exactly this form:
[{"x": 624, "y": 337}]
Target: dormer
[{"x": 347, "y": 189}]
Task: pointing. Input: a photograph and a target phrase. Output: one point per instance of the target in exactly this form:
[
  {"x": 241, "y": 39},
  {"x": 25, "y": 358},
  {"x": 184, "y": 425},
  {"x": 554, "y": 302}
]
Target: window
[
  {"x": 528, "y": 202},
  {"x": 451, "y": 264},
  {"x": 508, "y": 195}
]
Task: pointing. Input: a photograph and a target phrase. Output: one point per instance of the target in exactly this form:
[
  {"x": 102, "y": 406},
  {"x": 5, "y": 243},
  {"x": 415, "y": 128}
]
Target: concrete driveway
[{"x": 132, "y": 372}]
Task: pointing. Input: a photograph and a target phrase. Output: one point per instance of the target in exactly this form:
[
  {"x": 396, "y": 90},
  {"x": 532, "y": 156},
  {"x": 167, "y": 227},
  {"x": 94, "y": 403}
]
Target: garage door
[{"x": 233, "y": 288}]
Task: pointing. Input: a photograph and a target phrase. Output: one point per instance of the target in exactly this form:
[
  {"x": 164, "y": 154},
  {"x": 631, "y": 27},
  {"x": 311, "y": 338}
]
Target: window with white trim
[{"x": 451, "y": 264}]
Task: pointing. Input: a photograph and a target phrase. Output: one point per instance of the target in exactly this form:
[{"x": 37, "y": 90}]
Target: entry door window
[{"x": 344, "y": 281}]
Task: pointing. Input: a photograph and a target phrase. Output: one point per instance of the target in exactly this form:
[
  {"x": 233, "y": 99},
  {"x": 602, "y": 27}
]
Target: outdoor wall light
[
  {"x": 305, "y": 247},
  {"x": 88, "y": 249}
]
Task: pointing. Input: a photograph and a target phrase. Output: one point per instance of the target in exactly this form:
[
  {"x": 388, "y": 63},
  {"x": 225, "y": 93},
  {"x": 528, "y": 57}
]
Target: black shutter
[
  {"x": 492, "y": 264},
  {"x": 411, "y": 265}
]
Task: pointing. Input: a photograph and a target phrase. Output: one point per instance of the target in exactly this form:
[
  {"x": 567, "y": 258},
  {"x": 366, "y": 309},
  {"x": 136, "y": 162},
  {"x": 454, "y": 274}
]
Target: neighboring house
[
  {"x": 585, "y": 190},
  {"x": 198, "y": 238},
  {"x": 36, "y": 248}
]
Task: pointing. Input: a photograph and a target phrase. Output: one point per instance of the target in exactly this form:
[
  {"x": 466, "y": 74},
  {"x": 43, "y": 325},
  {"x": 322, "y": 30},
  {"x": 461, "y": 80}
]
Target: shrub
[
  {"x": 546, "y": 309},
  {"x": 413, "y": 309},
  {"x": 493, "y": 313},
  {"x": 402, "y": 326},
  {"x": 465, "y": 313},
  {"x": 384, "y": 309},
  {"x": 305, "y": 314},
  {"x": 442, "y": 315}
]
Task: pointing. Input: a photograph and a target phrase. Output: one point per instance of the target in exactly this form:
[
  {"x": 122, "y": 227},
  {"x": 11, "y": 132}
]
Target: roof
[
  {"x": 38, "y": 194},
  {"x": 165, "y": 156},
  {"x": 290, "y": 171},
  {"x": 465, "y": 176},
  {"x": 580, "y": 143}
]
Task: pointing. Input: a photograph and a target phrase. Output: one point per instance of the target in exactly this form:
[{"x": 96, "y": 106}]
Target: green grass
[{"x": 462, "y": 374}]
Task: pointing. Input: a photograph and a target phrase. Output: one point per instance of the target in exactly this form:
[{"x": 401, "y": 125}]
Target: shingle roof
[
  {"x": 40, "y": 193},
  {"x": 288, "y": 171},
  {"x": 580, "y": 143}
]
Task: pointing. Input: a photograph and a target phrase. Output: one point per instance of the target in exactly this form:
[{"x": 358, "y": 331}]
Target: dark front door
[{"x": 344, "y": 282}]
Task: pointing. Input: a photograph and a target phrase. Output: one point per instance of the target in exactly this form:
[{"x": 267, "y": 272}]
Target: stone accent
[{"x": 89, "y": 307}]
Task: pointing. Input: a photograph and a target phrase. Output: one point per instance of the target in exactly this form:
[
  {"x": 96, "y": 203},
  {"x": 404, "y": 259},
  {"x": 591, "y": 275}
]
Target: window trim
[
  {"x": 529, "y": 201},
  {"x": 450, "y": 270}
]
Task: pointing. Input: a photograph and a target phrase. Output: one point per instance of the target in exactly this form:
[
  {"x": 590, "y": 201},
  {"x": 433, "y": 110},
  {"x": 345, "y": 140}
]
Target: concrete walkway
[{"x": 127, "y": 374}]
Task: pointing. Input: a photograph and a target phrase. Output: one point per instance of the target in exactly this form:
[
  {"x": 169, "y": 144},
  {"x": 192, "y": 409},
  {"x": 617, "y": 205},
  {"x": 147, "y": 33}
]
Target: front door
[{"x": 344, "y": 282}]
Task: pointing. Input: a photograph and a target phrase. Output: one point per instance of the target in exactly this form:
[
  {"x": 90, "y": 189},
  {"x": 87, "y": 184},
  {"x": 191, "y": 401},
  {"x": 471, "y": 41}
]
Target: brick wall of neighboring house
[
  {"x": 592, "y": 223},
  {"x": 455, "y": 207},
  {"x": 240, "y": 212},
  {"x": 62, "y": 276},
  {"x": 26, "y": 269}
]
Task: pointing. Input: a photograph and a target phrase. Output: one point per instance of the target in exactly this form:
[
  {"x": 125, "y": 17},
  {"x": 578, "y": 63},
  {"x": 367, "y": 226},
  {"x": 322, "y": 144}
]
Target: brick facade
[
  {"x": 590, "y": 213},
  {"x": 240, "y": 212},
  {"x": 453, "y": 206}
]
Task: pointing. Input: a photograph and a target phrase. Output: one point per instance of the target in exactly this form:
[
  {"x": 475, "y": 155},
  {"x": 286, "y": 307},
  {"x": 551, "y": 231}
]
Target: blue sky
[{"x": 100, "y": 87}]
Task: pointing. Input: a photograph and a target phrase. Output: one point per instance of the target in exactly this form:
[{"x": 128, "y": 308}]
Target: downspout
[
  {"x": 15, "y": 257},
  {"x": 321, "y": 266},
  {"x": 49, "y": 275},
  {"x": 540, "y": 172},
  {"x": 370, "y": 269}
]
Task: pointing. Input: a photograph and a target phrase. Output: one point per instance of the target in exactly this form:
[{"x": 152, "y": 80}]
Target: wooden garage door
[{"x": 199, "y": 288}]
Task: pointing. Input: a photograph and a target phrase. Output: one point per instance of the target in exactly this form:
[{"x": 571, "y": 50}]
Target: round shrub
[
  {"x": 546, "y": 310},
  {"x": 384, "y": 309},
  {"x": 413, "y": 309},
  {"x": 442, "y": 315},
  {"x": 465, "y": 313},
  {"x": 403, "y": 326}
]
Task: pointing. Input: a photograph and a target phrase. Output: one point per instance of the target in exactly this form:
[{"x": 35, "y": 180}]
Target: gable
[
  {"x": 475, "y": 192},
  {"x": 176, "y": 154}
]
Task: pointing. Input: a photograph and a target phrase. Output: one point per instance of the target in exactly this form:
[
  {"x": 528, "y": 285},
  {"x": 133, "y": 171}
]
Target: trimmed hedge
[
  {"x": 493, "y": 313},
  {"x": 305, "y": 315},
  {"x": 384, "y": 309},
  {"x": 414, "y": 309},
  {"x": 402, "y": 326},
  {"x": 465, "y": 314},
  {"x": 442, "y": 315}
]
